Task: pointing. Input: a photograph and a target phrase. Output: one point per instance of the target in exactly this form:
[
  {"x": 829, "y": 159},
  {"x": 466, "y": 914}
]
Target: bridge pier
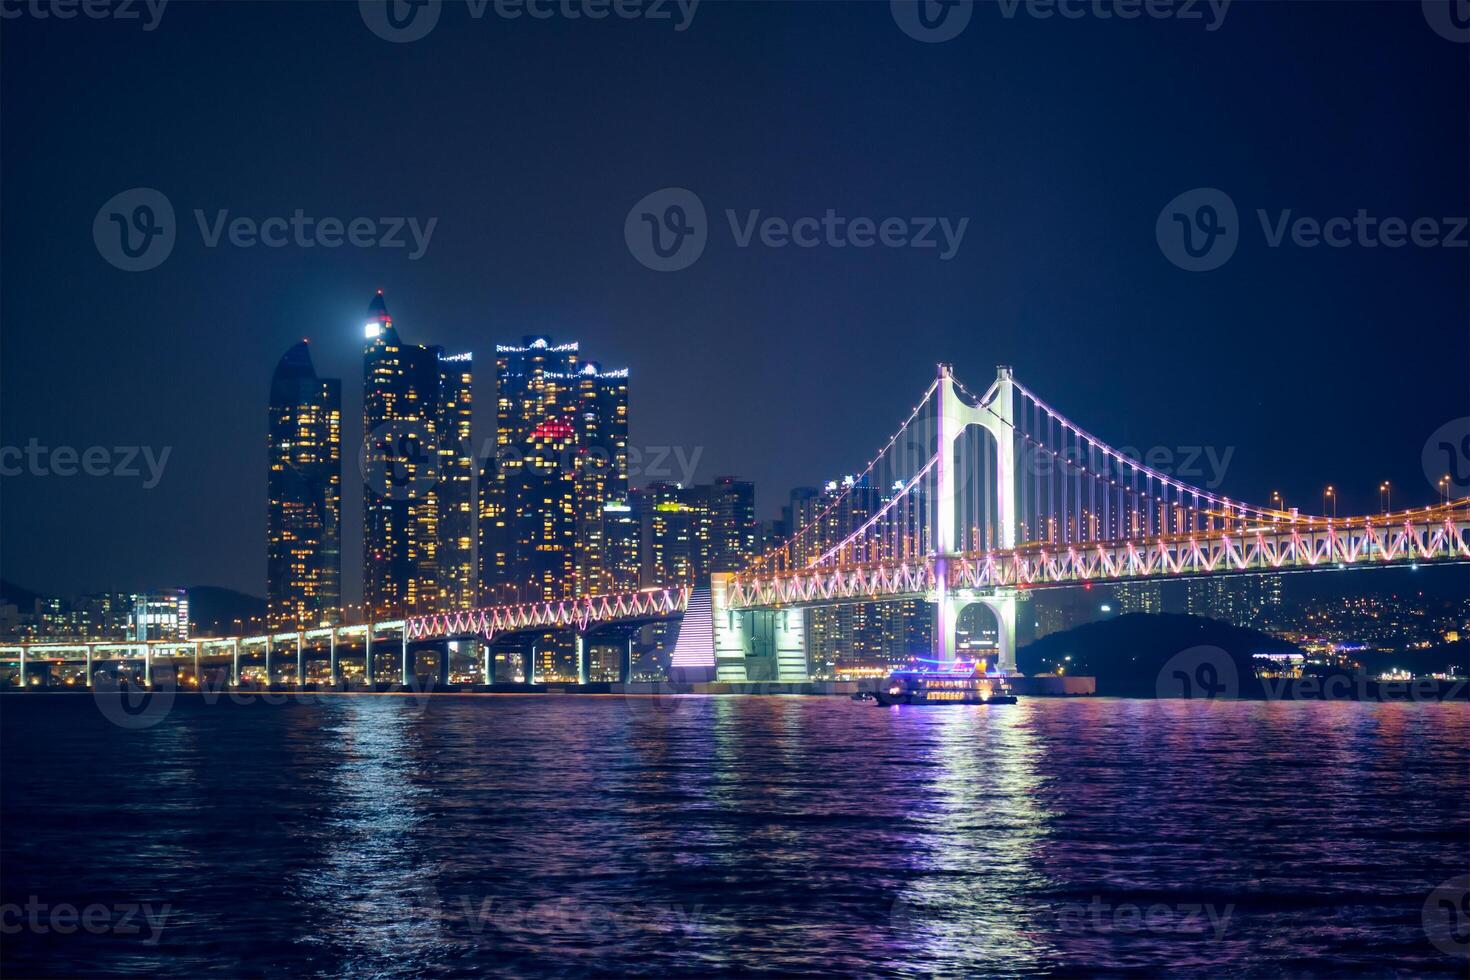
[
  {"x": 582, "y": 668},
  {"x": 772, "y": 641}
]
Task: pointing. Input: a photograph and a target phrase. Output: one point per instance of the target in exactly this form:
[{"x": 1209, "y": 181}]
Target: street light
[
  {"x": 1444, "y": 488},
  {"x": 1277, "y": 500},
  {"x": 1329, "y": 497},
  {"x": 1385, "y": 496}
]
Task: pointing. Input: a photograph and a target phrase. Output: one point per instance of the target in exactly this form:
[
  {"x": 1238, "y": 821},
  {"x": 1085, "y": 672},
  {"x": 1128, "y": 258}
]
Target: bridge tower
[{"x": 997, "y": 417}]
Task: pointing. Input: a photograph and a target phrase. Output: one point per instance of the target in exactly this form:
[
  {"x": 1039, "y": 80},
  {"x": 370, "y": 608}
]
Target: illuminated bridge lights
[
  {"x": 1433, "y": 534},
  {"x": 491, "y": 621}
]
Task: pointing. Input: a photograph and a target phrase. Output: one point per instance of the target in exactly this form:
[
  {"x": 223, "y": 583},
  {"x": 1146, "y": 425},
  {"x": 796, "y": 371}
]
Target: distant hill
[
  {"x": 214, "y": 610},
  {"x": 1143, "y": 655},
  {"x": 23, "y": 597}
]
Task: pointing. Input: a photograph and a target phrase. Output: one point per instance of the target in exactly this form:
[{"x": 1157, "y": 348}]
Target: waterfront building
[
  {"x": 418, "y": 474},
  {"x": 860, "y": 639},
  {"x": 554, "y": 508},
  {"x": 624, "y": 530},
  {"x": 561, "y": 457},
  {"x": 455, "y": 492},
  {"x": 1241, "y": 600},
  {"x": 675, "y": 534},
  {"x": 734, "y": 532},
  {"x": 160, "y": 615},
  {"x": 304, "y": 495},
  {"x": 1138, "y": 597}
]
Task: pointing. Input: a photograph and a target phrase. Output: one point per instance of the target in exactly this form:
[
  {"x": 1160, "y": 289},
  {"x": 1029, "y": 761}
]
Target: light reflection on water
[{"x": 390, "y": 836}]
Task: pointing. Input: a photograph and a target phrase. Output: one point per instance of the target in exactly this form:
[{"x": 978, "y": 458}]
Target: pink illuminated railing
[
  {"x": 1435, "y": 534},
  {"x": 488, "y": 621}
]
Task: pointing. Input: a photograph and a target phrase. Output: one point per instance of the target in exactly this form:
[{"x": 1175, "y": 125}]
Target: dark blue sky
[{"x": 529, "y": 140}]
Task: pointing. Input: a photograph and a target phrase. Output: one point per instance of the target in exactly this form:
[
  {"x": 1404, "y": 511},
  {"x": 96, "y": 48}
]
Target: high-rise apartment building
[
  {"x": 455, "y": 492},
  {"x": 304, "y": 496},
  {"x": 546, "y": 528},
  {"x": 1139, "y": 597},
  {"x": 861, "y": 638},
  {"x": 418, "y": 474},
  {"x": 1241, "y": 600},
  {"x": 735, "y": 534}
]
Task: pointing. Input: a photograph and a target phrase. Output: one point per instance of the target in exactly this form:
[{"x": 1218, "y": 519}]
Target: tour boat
[{"x": 960, "y": 683}]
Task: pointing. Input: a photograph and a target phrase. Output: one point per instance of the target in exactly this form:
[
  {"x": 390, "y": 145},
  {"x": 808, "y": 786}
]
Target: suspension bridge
[{"x": 976, "y": 498}]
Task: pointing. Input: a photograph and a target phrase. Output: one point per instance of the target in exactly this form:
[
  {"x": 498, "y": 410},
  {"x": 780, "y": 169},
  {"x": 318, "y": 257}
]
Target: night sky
[{"x": 530, "y": 140}]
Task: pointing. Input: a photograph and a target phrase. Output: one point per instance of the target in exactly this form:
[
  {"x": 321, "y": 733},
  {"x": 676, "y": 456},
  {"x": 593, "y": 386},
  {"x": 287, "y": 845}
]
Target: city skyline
[
  {"x": 972, "y": 488},
  {"x": 456, "y": 458},
  {"x": 1059, "y": 276}
]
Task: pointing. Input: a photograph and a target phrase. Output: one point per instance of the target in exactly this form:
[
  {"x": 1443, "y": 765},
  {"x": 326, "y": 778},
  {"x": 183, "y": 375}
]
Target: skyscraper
[
  {"x": 417, "y": 474},
  {"x": 304, "y": 495},
  {"x": 455, "y": 492},
  {"x": 561, "y": 459},
  {"x": 735, "y": 534},
  {"x": 1241, "y": 600},
  {"x": 851, "y": 640}
]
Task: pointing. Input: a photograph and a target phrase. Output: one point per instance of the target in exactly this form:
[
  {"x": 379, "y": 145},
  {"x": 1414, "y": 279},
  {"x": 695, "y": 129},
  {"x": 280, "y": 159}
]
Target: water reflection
[
  {"x": 372, "y": 897},
  {"x": 569, "y": 835}
]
